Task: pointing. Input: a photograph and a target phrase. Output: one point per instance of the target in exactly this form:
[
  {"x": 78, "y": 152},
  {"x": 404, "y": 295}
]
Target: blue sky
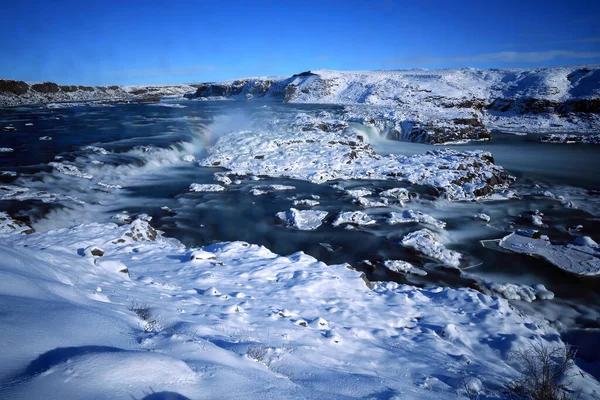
[{"x": 131, "y": 41}]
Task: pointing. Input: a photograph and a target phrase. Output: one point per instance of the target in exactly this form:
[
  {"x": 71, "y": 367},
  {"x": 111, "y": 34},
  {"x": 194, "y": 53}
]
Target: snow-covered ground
[{"x": 107, "y": 312}]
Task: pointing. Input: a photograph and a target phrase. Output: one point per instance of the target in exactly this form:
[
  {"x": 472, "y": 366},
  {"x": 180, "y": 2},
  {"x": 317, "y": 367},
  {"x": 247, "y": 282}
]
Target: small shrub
[
  {"x": 258, "y": 352},
  {"x": 141, "y": 309},
  {"x": 545, "y": 370}
]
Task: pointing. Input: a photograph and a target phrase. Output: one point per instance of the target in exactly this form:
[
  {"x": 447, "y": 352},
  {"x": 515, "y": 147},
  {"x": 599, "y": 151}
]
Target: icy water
[{"x": 139, "y": 148}]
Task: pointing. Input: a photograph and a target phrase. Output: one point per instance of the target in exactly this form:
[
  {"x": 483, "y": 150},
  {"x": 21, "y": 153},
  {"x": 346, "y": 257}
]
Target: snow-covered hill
[
  {"x": 15, "y": 93},
  {"x": 440, "y": 105}
]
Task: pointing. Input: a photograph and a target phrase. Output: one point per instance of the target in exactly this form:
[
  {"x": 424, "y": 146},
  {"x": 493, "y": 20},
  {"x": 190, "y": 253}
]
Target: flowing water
[{"x": 143, "y": 146}]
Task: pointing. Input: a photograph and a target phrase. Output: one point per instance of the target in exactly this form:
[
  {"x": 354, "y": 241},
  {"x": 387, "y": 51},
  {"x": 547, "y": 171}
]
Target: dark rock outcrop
[
  {"x": 46, "y": 87},
  {"x": 14, "y": 87}
]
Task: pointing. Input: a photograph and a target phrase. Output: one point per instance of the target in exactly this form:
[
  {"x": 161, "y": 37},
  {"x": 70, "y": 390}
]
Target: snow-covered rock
[
  {"x": 409, "y": 216},
  {"x": 426, "y": 242},
  {"x": 514, "y": 291},
  {"x": 403, "y": 267},
  {"x": 304, "y": 220},
  {"x": 259, "y": 190},
  {"x": 206, "y": 187},
  {"x": 353, "y": 217},
  {"x": 306, "y": 202},
  {"x": 483, "y": 217},
  {"x": 10, "y": 226},
  {"x": 321, "y": 157}
]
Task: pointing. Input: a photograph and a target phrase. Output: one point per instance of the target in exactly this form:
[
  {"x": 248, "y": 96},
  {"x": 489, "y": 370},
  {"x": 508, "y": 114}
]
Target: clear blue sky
[{"x": 131, "y": 41}]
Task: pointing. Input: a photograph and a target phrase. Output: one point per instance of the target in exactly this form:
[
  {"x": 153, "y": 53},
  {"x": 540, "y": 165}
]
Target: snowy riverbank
[{"x": 236, "y": 320}]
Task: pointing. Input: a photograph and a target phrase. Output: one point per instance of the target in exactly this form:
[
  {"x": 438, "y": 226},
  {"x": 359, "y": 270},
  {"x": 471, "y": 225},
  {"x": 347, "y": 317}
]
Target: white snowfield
[{"x": 150, "y": 318}]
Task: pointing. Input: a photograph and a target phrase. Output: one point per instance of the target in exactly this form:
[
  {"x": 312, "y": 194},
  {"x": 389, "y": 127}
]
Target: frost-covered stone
[
  {"x": 265, "y": 189},
  {"x": 403, "y": 267},
  {"x": 189, "y": 158},
  {"x": 369, "y": 203},
  {"x": 409, "y": 216},
  {"x": 10, "y": 226},
  {"x": 138, "y": 231},
  {"x": 514, "y": 291},
  {"x": 304, "y": 220},
  {"x": 353, "y": 217},
  {"x": 425, "y": 241},
  {"x": 306, "y": 202},
  {"x": 206, "y": 187},
  {"x": 202, "y": 255},
  {"x": 483, "y": 217},
  {"x": 400, "y": 194}
]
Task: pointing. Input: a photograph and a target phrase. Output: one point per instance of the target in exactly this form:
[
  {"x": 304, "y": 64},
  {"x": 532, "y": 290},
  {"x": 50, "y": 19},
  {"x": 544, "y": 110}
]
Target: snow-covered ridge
[
  {"x": 439, "y": 106},
  {"x": 14, "y": 93},
  {"x": 401, "y": 86}
]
